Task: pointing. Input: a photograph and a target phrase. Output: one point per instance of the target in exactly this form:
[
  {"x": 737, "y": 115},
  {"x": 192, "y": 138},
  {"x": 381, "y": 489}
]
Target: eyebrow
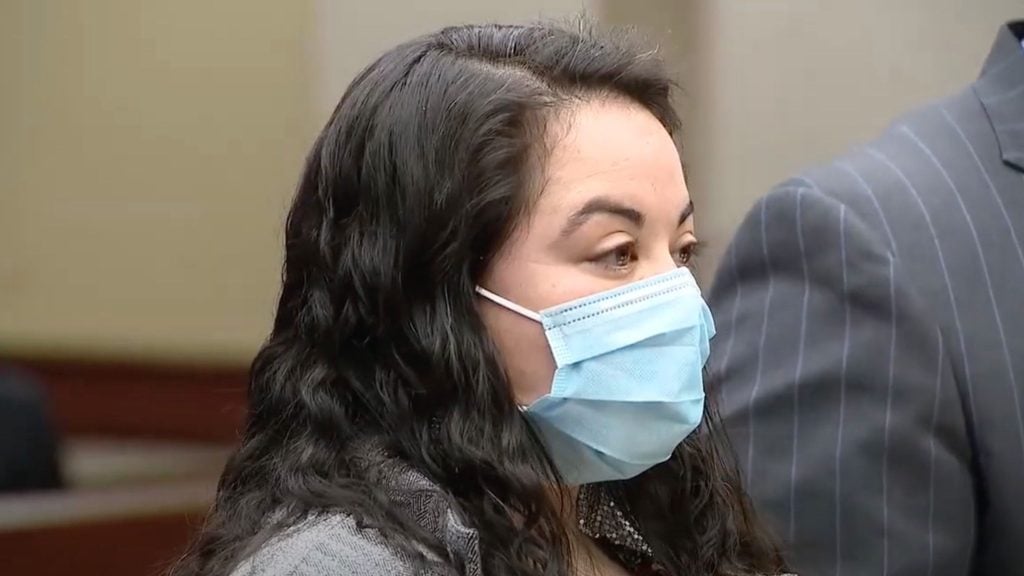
[
  {"x": 686, "y": 213},
  {"x": 602, "y": 205}
]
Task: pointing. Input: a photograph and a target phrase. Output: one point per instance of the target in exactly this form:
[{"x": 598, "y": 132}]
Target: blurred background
[{"x": 148, "y": 151}]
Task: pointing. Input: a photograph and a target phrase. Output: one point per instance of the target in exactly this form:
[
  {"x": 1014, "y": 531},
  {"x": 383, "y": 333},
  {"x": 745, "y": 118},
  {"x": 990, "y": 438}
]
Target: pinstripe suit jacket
[{"x": 870, "y": 358}]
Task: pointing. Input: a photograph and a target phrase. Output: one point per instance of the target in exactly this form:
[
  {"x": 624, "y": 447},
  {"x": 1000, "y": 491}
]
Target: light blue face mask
[{"x": 628, "y": 387}]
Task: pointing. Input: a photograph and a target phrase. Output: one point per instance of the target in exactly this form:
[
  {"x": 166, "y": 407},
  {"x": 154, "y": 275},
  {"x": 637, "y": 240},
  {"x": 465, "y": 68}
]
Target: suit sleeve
[{"x": 839, "y": 396}]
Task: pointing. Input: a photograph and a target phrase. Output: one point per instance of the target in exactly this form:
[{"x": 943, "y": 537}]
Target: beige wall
[
  {"x": 777, "y": 85},
  {"x": 148, "y": 150}
]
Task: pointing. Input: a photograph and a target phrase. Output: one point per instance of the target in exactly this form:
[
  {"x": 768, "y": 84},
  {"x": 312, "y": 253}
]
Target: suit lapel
[{"x": 1001, "y": 91}]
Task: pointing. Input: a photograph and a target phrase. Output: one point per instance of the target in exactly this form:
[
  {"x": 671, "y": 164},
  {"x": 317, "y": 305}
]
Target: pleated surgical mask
[{"x": 628, "y": 385}]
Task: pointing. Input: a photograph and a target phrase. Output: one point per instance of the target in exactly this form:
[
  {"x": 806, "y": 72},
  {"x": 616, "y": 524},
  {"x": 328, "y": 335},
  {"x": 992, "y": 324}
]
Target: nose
[{"x": 663, "y": 261}]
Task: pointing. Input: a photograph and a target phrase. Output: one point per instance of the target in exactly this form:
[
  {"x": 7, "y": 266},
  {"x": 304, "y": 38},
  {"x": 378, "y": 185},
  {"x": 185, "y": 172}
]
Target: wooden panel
[
  {"x": 143, "y": 400},
  {"x": 129, "y": 531},
  {"x": 125, "y": 547}
]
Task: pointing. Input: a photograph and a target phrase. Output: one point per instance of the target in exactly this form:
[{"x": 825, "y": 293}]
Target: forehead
[{"x": 613, "y": 148}]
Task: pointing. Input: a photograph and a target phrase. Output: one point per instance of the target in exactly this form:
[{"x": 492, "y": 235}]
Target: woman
[{"x": 488, "y": 348}]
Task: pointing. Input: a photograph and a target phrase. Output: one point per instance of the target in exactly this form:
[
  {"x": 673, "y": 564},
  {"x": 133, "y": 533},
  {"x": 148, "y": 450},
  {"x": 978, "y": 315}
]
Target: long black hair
[{"x": 417, "y": 179}]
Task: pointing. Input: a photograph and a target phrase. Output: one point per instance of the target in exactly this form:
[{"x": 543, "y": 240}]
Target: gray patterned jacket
[{"x": 331, "y": 543}]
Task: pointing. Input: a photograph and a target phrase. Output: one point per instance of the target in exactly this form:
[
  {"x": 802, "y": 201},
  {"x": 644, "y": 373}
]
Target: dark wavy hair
[{"x": 419, "y": 176}]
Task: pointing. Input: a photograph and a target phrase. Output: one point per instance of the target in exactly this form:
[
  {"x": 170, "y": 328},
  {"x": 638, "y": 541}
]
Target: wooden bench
[
  {"x": 144, "y": 447},
  {"x": 112, "y": 531}
]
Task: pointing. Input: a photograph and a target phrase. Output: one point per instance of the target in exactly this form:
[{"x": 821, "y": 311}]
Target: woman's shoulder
[{"x": 325, "y": 544}]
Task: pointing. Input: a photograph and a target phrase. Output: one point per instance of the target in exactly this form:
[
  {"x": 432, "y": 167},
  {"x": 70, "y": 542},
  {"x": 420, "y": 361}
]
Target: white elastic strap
[{"x": 508, "y": 304}]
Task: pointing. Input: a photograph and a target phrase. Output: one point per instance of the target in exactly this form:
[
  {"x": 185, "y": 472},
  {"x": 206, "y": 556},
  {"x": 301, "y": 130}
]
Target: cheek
[{"x": 525, "y": 354}]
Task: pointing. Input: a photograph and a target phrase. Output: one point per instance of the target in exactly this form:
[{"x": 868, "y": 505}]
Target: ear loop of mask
[{"x": 508, "y": 304}]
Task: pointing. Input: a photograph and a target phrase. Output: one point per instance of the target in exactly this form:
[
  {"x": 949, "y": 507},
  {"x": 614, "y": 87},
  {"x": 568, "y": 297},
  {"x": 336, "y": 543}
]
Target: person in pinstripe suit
[{"x": 870, "y": 359}]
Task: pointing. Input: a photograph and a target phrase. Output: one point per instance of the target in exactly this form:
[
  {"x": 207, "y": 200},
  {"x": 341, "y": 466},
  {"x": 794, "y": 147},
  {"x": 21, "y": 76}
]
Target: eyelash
[
  {"x": 691, "y": 252},
  {"x": 611, "y": 259}
]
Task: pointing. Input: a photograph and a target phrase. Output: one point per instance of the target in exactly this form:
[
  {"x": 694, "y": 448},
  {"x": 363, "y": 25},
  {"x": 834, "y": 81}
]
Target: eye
[
  {"x": 686, "y": 255},
  {"x": 619, "y": 258}
]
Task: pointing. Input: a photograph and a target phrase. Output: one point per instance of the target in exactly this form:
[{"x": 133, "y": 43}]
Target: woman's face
[{"x": 614, "y": 209}]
